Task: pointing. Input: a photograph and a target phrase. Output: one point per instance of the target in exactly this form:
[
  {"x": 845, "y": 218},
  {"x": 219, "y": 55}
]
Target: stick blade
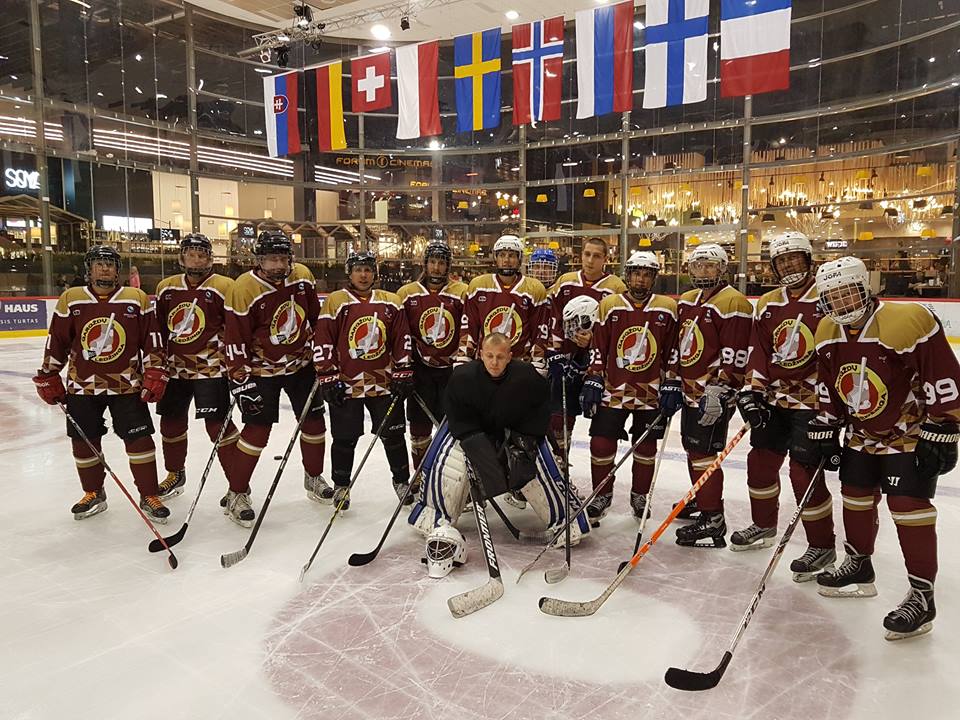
[
  {"x": 231, "y": 559},
  {"x": 693, "y": 681},
  {"x": 157, "y": 546},
  {"x": 557, "y": 574},
  {"x": 360, "y": 559},
  {"x": 566, "y": 608},
  {"x": 173, "y": 562},
  {"x": 472, "y": 600}
]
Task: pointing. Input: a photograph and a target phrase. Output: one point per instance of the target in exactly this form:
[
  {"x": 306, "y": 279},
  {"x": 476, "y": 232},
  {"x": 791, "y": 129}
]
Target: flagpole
[
  {"x": 624, "y": 183},
  {"x": 523, "y": 179},
  {"x": 742, "y": 244},
  {"x": 363, "y": 194}
]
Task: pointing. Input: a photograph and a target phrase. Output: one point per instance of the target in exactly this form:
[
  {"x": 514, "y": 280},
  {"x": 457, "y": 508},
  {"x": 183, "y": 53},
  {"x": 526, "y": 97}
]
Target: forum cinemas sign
[{"x": 383, "y": 161}]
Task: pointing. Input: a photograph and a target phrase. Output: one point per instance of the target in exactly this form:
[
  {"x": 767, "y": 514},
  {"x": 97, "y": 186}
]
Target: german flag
[{"x": 324, "y": 86}]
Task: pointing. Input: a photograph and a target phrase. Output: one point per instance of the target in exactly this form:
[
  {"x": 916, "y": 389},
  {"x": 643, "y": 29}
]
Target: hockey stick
[
  {"x": 172, "y": 559},
  {"x": 346, "y": 496},
  {"x": 472, "y": 600},
  {"x": 568, "y": 608},
  {"x": 230, "y": 559},
  {"x": 157, "y": 545},
  {"x": 558, "y": 574},
  {"x": 596, "y": 491},
  {"x": 689, "y": 680}
]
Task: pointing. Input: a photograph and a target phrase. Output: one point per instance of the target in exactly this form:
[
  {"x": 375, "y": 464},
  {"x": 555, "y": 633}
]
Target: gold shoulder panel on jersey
[
  {"x": 334, "y": 301},
  {"x": 611, "y": 303},
  {"x": 730, "y": 301},
  {"x": 455, "y": 289},
  {"x": 244, "y": 292},
  {"x": 774, "y": 297},
  {"x": 73, "y": 296},
  {"x": 131, "y": 294},
  {"x": 409, "y": 290},
  {"x": 173, "y": 282},
  {"x": 532, "y": 287},
  {"x": 300, "y": 273},
  {"x": 385, "y": 296},
  {"x": 663, "y": 302},
  {"x": 481, "y": 282},
  {"x": 901, "y": 326},
  {"x": 220, "y": 284},
  {"x": 568, "y": 278},
  {"x": 827, "y": 332},
  {"x": 612, "y": 283},
  {"x": 690, "y": 297}
]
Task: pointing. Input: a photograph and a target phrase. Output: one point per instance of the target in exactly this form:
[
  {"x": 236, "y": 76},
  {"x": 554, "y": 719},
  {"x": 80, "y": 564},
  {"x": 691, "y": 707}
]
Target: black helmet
[
  {"x": 441, "y": 250},
  {"x": 272, "y": 242},
  {"x": 362, "y": 257},
  {"x": 101, "y": 253},
  {"x": 197, "y": 241}
]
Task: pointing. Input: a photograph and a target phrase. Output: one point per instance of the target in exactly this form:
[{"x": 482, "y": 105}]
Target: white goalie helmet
[
  {"x": 579, "y": 314},
  {"x": 833, "y": 279},
  {"x": 508, "y": 242},
  {"x": 708, "y": 253},
  {"x": 790, "y": 242},
  {"x": 445, "y": 549}
]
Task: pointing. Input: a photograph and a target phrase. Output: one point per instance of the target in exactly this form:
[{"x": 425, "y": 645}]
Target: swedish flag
[{"x": 476, "y": 61}]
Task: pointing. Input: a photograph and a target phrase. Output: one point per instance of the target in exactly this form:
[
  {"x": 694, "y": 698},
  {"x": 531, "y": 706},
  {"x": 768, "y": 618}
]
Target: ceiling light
[
  {"x": 138, "y": 57},
  {"x": 283, "y": 37},
  {"x": 263, "y": 71},
  {"x": 283, "y": 56},
  {"x": 512, "y": 14},
  {"x": 404, "y": 23},
  {"x": 380, "y": 32}
]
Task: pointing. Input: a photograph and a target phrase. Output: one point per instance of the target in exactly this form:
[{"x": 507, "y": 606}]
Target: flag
[
  {"x": 325, "y": 105},
  {"x": 370, "y": 80},
  {"x": 476, "y": 69},
  {"x": 282, "y": 117},
  {"x": 754, "y": 46},
  {"x": 676, "y": 52},
  {"x": 605, "y": 59},
  {"x": 417, "y": 90},
  {"x": 537, "y": 70}
]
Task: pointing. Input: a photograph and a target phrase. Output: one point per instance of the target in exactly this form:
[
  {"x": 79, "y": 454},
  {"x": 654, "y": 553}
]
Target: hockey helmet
[
  {"x": 445, "y": 549},
  {"x": 640, "y": 260},
  {"x": 699, "y": 261},
  {"x": 844, "y": 289},
  {"x": 543, "y": 265},
  {"x": 362, "y": 258},
  {"x": 579, "y": 314},
  {"x": 440, "y": 250},
  {"x": 102, "y": 253},
  {"x": 200, "y": 242},
  {"x": 784, "y": 244},
  {"x": 273, "y": 242},
  {"x": 510, "y": 243}
]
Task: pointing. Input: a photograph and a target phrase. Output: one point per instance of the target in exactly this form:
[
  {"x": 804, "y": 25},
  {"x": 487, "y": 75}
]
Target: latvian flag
[
  {"x": 537, "y": 70},
  {"x": 325, "y": 105},
  {"x": 418, "y": 102},
  {"x": 604, "y": 59},
  {"x": 281, "y": 115},
  {"x": 754, "y": 46}
]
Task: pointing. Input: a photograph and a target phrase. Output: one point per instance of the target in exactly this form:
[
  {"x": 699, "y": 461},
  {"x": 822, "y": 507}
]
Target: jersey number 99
[{"x": 943, "y": 391}]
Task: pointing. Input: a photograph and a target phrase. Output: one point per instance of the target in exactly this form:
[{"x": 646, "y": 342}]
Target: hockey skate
[
  {"x": 598, "y": 509},
  {"x": 154, "y": 509},
  {"x": 400, "y": 488},
  {"x": 90, "y": 504},
  {"x": 813, "y": 561},
  {"x": 708, "y": 532},
  {"x": 561, "y": 542},
  {"x": 238, "y": 508},
  {"x": 173, "y": 484},
  {"x": 915, "y": 614},
  {"x": 854, "y": 577},
  {"x": 317, "y": 488},
  {"x": 341, "y": 497},
  {"x": 753, "y": 537},
  {"x": 516, "y": 499},
  {"x": 689, "y": 512},
  {"x": 638, "y": 503}
]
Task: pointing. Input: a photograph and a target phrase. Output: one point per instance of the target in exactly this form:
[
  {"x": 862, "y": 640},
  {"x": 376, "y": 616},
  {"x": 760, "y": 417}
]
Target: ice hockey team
[{"x": 492, "y": 375}]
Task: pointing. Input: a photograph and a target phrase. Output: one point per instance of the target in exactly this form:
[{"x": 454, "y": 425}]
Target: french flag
[
  {"x": 281, "y": 114},
  {"x": 604, "y": 59},
  {"x": 754, "y": 46},
  {"x": 418, "y": 100},
  {"x": 537, "y": 70}
]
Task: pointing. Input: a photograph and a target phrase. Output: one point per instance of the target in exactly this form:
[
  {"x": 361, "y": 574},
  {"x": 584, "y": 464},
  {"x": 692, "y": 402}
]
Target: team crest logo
[
  {"x": 436, "y": 327},
  {"x": 103, "y": 340},
  {"x": 864, "y": 393},
  {"x": 691, "y": 343},
  {"x": 636, "y": 349},
  {"x": 367, "y": 338},
  {"x": 185, "y": 322},
  {"x": 792, "y": 344},
  {"x": 504, "y": 320},
  {"x": 286, "y": 323}
]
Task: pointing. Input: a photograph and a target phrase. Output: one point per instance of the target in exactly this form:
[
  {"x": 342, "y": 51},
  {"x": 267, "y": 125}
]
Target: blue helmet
[{"x": 542, "y": 265}]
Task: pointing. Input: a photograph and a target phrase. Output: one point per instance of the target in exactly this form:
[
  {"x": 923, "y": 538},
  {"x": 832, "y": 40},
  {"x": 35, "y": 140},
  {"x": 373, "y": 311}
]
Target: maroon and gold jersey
[
  {"x": 783, "y": 362},
  {"x": 520, "y": 312},
  {"x": 270, "y": 328},
  {"x": 714, "y": 340},
  {"x": 566, "y": 288},
  {"x": 434, "y": 320},
  {"x": 632, "y": 345},
  {"x": 885, "y": 380},
  {"x": 362, "y": 339},
  {"x": 192, "y": 321},
  {"x": 106, "y": 342}
]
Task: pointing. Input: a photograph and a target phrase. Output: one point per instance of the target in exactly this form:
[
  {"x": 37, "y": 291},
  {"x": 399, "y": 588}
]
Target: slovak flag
[
  {"x": 418, "y": 100},
  {"x": 754, "y": 46},
  {"x": 537, "y": 71},
  {"x": 604, "y": 59},
  {"x": 676, "y": 52},
  {"x": 281, "y": 115},
  {"x": 370, "y": 80}
]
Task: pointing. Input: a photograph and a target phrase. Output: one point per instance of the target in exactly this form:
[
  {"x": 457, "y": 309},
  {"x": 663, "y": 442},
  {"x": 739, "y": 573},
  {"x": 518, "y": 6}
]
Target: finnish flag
[{"x": 676, "y": 52}]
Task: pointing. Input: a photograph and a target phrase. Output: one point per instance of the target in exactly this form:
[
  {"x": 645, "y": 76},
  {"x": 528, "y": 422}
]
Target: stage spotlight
[
  {"x": 283, "y": 53},
  {"x": 304, "y": 15},
  {"x": 265, "y": 55},
  {"x": 404, "y": 23}
]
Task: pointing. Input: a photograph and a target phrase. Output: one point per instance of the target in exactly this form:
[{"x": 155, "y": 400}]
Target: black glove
[
  {"x": 556, "y": 368},
  {"x": 591, "y": 395},
  {"x": 333, "y": 389},
  {"x": 937, "y": 448},
  {"x": 753, "y": 408},
  {"x": 247, "y": 396},
  {"x": 826, "y": 441},
  {"x": 401, "y": 382},
  {"x": 671, "y": 397},
  {"x": 521, "y": 451}
]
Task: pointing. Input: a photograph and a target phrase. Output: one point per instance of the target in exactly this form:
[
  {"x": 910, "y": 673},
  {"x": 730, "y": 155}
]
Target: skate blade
[
  {"x": 173, "y": 493},
  {"x": 513, "y": 502},
  {"x": 802, "y": 577},
  {"x": 758, "y": 545},
  {"x": 705, "y": 543},
  {"x": 318, "y": 499},
  {"x": 922, "y": 630},
  {"x": 241, "y": 523},
  {"x": 861, "y": 590},
  {"x": 91, "y": 512}
]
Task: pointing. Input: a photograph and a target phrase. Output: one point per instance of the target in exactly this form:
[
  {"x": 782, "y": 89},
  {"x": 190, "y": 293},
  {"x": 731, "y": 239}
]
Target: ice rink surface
[{"x": 94, "y": 626}]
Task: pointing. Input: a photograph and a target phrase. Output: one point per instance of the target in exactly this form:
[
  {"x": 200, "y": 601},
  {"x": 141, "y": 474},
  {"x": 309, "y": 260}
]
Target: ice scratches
[{"x": 362, "y": 643}]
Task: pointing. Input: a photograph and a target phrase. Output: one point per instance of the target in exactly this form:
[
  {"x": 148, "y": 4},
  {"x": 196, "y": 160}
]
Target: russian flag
[
  {"x": 754, "y": 46},
  {"x": 605, "y": 59},
  {"x": 281, "y": 115}
]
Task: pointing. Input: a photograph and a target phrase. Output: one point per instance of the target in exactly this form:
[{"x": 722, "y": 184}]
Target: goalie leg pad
[
  {"x": 445, "y": 488},
  {"x": 545, "y": 494}
]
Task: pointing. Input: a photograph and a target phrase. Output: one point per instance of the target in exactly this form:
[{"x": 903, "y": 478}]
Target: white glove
[{"x": 714, "y": 403}]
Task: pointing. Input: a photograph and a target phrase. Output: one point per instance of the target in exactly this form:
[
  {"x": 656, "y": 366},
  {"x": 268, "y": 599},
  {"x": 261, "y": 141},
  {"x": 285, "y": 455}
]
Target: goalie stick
[
  {"x": 689, "y": 680},
  {"x": 569, "y": 608},
  {"x": 558, "y": 574}
]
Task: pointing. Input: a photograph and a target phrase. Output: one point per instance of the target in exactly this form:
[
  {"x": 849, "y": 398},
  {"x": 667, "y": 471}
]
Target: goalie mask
[
  {"x": 844, "y": 289},
  {"x": 707, "y": 264},
  {"x": 508, "y": 254},
  {"x": 542, "y": 265},
  {"x": 791, "y": 258},
  {"x": 445, "y": 549},
  {"x": 579, "y": 314}
]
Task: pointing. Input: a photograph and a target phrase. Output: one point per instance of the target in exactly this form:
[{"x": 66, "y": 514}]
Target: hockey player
[
  {"x": 632, "y": 345},
  {"x": 706, "y": 373},
  {"x": 190, "y": 312},
  {"x": 108, "y": 338},
  {"x": 434, "y": 307},
  {"x": 271, "y": 313},
  {"x": 543, "y": 266},
  {"x": 363, "y": 357},
  {"x": 887, "y": 374},
  {"x": 779, "y": 400}
]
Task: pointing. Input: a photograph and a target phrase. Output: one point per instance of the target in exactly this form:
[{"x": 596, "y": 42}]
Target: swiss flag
[{"x": 370, "y": 78}]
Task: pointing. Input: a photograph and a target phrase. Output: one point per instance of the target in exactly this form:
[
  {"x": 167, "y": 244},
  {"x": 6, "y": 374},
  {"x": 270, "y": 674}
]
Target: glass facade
[{"x": 152, "y": 117}]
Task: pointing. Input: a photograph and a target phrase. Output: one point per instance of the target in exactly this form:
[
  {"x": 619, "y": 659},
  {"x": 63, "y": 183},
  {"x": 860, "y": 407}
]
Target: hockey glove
[
  {"x": 333, "y": 389},
  {"x": 826, "y": 439},
  {"x": 556, "y": 368},
  {"x": 154, "y": 384},
  {"x": 591, "y": 395},
  {"x": 247, "y": 396},
  {"x": 937, "y": 448},
  {"x": 753, "y": 408},
  {"x": 671, "y": 397},
  {"x": 540, "y": 365},
  {"x": 401, "y": 383},
  {"x": 50, "y": 388},
  {"x": 713, "y": 404}
]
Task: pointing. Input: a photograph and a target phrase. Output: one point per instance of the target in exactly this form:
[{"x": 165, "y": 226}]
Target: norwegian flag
[{"x": 537, "y": 70}]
